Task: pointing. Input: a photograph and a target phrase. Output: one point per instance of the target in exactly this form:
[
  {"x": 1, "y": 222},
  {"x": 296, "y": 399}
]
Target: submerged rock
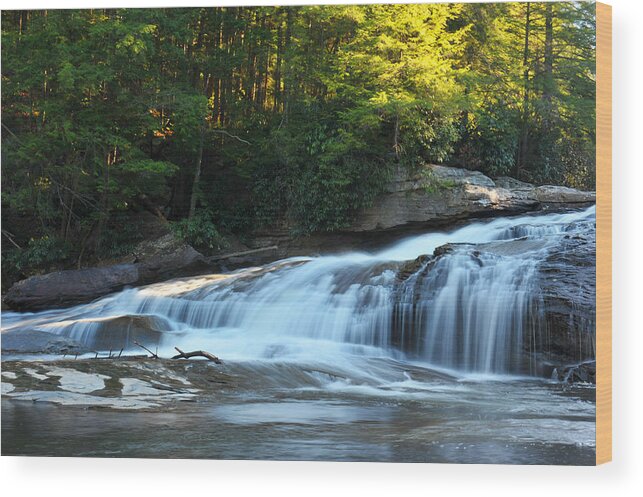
[
  {"x": 39, "y": 342},
  {"x": 123, "y": 384},
  {"x": 584, "y": 372}
]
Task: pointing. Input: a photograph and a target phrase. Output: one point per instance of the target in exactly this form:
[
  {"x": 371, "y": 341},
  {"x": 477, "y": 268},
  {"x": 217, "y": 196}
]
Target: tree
[{"x": 246, "y": 116}]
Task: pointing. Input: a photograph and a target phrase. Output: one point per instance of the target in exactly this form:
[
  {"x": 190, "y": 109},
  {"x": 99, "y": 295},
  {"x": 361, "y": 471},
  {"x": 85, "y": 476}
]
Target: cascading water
[
  {"x": 470, "y": 311},
  {"x": 473, "y": 309}
]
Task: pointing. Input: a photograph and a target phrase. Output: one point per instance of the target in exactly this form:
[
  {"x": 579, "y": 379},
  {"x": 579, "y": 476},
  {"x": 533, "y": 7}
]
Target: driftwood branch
[
  {"x": 155, "y": 356},
  {"x": 224, "y": 132},
  {"x": 241, "y": 254},
  {"x": 11, "y": 133},
  {"x": 10, "y": 238},
  {"x": 196, "y": 353}
]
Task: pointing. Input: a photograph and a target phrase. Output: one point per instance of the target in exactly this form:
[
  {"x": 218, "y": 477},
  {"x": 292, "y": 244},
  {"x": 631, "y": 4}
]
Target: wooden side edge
[{"x": 603, "y": 233}]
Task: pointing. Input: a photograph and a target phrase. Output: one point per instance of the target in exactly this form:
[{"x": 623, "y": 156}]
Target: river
[{"x": 340, "y": 357}]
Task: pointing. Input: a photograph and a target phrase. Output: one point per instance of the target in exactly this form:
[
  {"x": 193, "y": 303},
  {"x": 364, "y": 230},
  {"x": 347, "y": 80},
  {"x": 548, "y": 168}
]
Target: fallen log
[
  {"x": 240, "y": 254},
  {"x": 196, "y": 353}
]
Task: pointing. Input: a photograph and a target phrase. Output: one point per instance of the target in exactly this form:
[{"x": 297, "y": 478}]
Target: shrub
[{"x": 200, "y": 231}]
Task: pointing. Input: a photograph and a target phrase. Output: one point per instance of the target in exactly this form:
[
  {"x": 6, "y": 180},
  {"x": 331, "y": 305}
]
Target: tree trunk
[
  {"x": 288, "y": 74},
  {"x": 277, "y": 85},
  {"x": 396, "y": 136},
  {"x": 104, "y": 203},
  {"x": 548, "y": 87},
  {"x": 197, "y": 176},
  {"x": 524, "y": 135}
]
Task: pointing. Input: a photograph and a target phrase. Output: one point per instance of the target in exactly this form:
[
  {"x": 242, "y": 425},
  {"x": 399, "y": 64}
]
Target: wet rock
[
  {"x": 126, "y": 383},
  {"x": 247, "y": 258},
  {"x": 87, "y": 335},
  {"x": 560, "y": 328},
  {"x": 577, "y": 373},
  {"x": 39, "y": 342},
  {"x": 567, "y": 279},
  {"x": 409, "y": 268},
  {"x": 513, "y": 247},
  {"x": 449, "y": 248},
  {"x": 123, "y": 331}
]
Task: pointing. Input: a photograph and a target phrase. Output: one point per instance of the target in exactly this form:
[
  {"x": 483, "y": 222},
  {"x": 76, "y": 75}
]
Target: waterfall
[
  {"x": 474, "y": 308},
  {"x": 470, "y": 311}
]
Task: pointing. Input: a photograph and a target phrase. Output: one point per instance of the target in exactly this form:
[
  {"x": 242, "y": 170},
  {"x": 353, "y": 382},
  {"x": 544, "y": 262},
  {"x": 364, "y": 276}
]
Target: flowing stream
[{"x": 432, "y": 355}]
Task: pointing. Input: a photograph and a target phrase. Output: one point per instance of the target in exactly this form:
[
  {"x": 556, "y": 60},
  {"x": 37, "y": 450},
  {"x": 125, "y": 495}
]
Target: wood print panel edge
[{"x": 604, "y": 233}]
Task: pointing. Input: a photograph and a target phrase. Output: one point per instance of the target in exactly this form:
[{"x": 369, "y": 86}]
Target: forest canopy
[{"x": 225, "y": 120}]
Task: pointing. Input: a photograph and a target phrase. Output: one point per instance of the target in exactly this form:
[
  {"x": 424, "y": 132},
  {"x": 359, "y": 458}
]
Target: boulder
[
  {"x": 122, "y": 331},
  {"x": 584, "y": 372},
  {"x": 68, "y": 288},
  {"x": 512, "y": 183},
  {"x": 409, "y": 268},
  {"x": 172, "y": 259},
  {"x": 111, "y": 333},
  {"x": 438, "y": 174},
  {"x": 154, "y": 261}
]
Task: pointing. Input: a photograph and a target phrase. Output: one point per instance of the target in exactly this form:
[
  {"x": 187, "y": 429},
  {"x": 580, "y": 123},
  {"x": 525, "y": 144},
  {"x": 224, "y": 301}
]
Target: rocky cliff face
[
  {"x": 441, "y": 195},
  {"x": 435, "y": 197}
]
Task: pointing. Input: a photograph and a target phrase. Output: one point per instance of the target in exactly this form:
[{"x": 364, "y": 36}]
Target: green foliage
[
  {"x": 143, "y": 176},
  {"x": 39, "y": 256},
  {"x": 433, "y": 184},
  {"x": 531, "y": 101},
  {"x": 490, "y": 141},
  {"x": 290, "y": 116},
  {"x": 200, "y": 232},
  {"x": 43, "y": 251},
  {"x": 121, "y": 237}
]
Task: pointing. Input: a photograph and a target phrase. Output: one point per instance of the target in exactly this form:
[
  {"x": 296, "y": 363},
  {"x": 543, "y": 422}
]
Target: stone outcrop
[
  {"x": 440, "y": 195},
  {"x": 158, "y": 260},
  {"x": 123, "y": 331}
]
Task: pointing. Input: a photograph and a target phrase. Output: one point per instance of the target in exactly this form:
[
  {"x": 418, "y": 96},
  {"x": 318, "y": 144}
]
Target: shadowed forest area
[{"x": 226, "y": 120}]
